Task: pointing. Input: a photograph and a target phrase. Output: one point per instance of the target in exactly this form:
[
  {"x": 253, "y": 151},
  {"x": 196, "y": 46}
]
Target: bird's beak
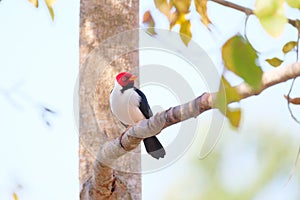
[{"x": 132, "y": 78}]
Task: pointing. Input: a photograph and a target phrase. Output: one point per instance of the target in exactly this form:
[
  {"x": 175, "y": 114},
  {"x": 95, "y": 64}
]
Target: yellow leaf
[
  {"x": 271, "y": 16},
  {"x": 264, "y": 8},
  {"x": 163, "y": 7},
  {"x": 234, "y": 117},
  {"x": 185, "y": 32},
  {"x": 274, "y": 25},
  {"x": 182, "y": 6},
  {"x": 34, "y": 2},
  {"x": 174, "y": 19},
  {"x": 15, "y": 196},
  {"x": 289, "y": 46},
  {"x": 201, "y": 8},
  {"x": 226, "y": 95},
  {"x": 275, "y": 62},
  {"x": 293, "y": 3},
  {"x": 49, "y": 4}
]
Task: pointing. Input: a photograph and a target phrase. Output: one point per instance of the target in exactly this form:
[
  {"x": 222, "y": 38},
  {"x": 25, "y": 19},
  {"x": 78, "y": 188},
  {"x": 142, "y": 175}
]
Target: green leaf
[
  {"x": 226, "y": 95},
  {"x": 275, "y": 62},
  {"x": 289, "y": 46},
  {"x": 271, "y": 16},
  {"x": 240, "y": 58},
  {"x": 185, "y": 31},
  {"x": 49, "y": 4},
  {"x": 202, "y": 10},
  {"x": 293, "y": 3},
  {"x": 34, "y": 2}
]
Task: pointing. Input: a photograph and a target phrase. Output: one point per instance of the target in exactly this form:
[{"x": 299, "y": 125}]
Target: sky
[{"x": 39, "y": 68}]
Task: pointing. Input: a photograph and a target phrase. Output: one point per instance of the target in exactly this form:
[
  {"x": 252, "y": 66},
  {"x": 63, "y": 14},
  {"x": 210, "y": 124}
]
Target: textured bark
[{"x": 99, "y": 21}]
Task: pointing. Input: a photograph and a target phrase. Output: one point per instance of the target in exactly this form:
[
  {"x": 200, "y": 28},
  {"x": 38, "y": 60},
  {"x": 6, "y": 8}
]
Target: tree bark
[{"x": 99, "y": 21}]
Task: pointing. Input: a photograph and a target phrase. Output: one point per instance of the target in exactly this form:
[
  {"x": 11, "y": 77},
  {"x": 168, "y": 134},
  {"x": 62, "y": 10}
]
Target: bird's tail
[{"x": 154, "y": 147}]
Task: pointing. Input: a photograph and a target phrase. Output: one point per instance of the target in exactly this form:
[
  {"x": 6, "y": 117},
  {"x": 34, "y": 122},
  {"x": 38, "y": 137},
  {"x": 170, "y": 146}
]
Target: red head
[{"x": 125, "y": 78}]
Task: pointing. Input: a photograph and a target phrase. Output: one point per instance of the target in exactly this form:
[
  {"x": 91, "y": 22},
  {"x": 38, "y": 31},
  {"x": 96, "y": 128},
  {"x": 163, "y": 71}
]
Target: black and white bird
[{"x": 130, "y": 105}]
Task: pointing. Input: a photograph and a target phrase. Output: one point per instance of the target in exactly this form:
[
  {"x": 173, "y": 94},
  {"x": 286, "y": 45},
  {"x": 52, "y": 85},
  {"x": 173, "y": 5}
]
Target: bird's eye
[{"x": 124, "y": 78}]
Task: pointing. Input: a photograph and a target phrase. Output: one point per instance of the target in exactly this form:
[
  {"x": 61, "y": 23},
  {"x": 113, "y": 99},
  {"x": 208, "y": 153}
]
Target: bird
[{"x": 130, "y": 105}]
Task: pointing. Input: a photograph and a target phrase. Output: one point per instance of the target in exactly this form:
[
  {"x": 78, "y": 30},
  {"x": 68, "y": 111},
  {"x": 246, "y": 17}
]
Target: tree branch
[
  {"x": 248, "y": 11},
  {"x": 130, "y": 139},
  {"x": 270, "y": 78}
]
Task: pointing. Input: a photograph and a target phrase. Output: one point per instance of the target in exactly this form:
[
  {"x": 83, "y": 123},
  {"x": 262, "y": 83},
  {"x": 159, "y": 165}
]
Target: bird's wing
[
  {"x": 152, "y": 144},
  {"x": 144, "y": 106}
]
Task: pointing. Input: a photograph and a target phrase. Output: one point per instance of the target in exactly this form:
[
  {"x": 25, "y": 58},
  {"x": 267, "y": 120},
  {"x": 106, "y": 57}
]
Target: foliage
[
  {"x": 293, "y": 3},
  {"x": 289, "y": 46},
  {"x": 238, "y": 54},
  {"x": 275, "y": 62},
  {"x": 239, "y": 57},
  {"x": 226, "y": 95},
  {"x": 202, "y": 10},
  {"x": 15, "y": 196},
  {"x": 49, "y": 4},
  {"x": 271, "y": 16},
  {"x": 149, "y": 20},
  {"x": 295, "y": 101}
]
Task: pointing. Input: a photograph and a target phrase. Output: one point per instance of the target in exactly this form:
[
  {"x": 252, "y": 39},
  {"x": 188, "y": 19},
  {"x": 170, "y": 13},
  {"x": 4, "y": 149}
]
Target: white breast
[{"x": 125, "y": 106}]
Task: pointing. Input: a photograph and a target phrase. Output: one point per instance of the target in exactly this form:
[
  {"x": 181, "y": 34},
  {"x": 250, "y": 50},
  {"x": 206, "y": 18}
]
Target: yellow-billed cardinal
[{"x": 130, "y": 106}]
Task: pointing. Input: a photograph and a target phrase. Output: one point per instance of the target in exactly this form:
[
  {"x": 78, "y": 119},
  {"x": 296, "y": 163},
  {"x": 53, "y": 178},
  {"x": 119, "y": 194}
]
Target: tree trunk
[{"x": 99, "y": 21}]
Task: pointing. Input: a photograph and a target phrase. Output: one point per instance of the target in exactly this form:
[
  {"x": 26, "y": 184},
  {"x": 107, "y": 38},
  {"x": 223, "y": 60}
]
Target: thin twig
[
  {"x": 245, "y": 28},
  {"x": 292, "y": 85},
  {"x": 15, "y": 90},
  {"x": 292, "y": 172},
  {"x": 243, "y": 9},
  {"x": 292, "y": 115},
  {"x": 289, "y": 103}
]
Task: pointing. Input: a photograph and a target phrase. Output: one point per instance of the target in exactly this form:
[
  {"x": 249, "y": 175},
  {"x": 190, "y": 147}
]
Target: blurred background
[
  {"x": 39, "y": 138},
  {"x": 38, "y": 70}
]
